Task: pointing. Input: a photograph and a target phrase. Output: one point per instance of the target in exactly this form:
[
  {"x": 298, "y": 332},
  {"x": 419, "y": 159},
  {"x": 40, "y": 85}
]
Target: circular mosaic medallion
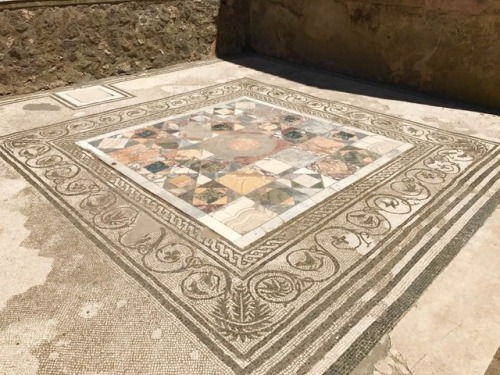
[{"x": 231, "y": 146}]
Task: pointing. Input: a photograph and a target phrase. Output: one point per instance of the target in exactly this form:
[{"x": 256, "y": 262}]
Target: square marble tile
[
  {"x": 244, "y": 167},
  {"x": 87, "y": 96},
  {"x": 273, "y": 166}
]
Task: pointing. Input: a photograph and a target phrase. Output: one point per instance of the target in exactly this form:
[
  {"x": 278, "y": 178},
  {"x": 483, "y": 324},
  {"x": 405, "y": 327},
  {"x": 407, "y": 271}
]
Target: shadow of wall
[{"x": 309, "y": 75}]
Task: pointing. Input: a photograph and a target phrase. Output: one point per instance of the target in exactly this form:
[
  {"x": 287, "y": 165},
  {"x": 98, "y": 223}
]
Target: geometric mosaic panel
[{"x": 244, "y": 168}]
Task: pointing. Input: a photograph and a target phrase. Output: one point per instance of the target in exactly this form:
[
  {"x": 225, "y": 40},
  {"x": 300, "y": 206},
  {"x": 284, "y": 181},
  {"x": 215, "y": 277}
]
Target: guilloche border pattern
[{"x": 364, "y": 220}]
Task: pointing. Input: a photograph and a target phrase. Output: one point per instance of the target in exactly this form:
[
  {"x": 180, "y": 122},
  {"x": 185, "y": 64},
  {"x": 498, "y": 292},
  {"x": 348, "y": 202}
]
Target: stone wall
[
  {"x": 233, "y": 27},
  {"x": 447, "y": 48},
  {"x": 47, "y": 47}
]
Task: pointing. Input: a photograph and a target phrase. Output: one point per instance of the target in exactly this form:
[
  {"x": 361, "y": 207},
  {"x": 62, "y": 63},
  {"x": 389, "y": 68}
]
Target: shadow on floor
[
  {"x": 494, "y": 367},
  {"x": 343, "y": 83}
]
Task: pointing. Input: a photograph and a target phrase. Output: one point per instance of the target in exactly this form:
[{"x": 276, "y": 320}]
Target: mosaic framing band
[{"x": 313, "y": 295}]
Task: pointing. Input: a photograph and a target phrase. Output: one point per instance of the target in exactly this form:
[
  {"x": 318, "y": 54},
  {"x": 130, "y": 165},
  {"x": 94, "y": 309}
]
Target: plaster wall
[{"x": 447, "y": 48}]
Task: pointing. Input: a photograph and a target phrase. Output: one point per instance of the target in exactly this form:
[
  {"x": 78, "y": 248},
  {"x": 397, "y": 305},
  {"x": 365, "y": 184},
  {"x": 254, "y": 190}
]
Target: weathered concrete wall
[
  {"x": 47, "y": 47},
  {"x": 448, "y": 48}
]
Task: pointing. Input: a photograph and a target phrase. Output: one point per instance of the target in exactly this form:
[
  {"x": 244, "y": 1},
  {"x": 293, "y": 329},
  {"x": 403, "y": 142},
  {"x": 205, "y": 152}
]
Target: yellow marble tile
[
  {"x": 134, "y": 154},
  {"x": 245, "y": 181},
  {"x": 182, "y": 181},
  {"x": 188, "y": 154},
  {"x": 323, "y": 145}
]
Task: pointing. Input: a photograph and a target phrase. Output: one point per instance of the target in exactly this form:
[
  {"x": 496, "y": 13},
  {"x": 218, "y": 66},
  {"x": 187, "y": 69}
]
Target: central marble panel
[{"x": 243, "y": 168}]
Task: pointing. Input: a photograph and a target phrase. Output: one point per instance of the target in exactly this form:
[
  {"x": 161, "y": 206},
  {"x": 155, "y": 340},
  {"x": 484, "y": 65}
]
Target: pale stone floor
[{"x": 453, "y": 329}]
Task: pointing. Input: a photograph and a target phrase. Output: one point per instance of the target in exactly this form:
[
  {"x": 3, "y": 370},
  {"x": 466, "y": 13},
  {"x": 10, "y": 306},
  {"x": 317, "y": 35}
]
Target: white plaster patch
[
  {"x": 63, "y": 342},
  {"x": 10, "y": 188},
  {"x": 22, "y": 268},
  {"x": 53, "y": 355},
  {"x": 156, "y": 335},
  {"x": 89, "y": 310},
  {"x": 195, "y": 355},
  {"x": 16, "y": 343},
  {"x": 72, "y": 263}
]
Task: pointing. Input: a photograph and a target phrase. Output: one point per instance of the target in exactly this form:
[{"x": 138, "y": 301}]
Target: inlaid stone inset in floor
[
  {"x": 238, "y": 166},
  {"x": 88, "y": 96}
]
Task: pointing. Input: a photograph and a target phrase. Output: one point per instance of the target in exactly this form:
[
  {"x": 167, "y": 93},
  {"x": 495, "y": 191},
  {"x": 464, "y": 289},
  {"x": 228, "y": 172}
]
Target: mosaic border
[
  {"x": 372, "y": 336},
  {"x": 450, "y": 152},
  {"x": 258, "y": 251}
]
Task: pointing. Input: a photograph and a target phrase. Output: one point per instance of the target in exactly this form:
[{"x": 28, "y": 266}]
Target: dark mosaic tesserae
[{"x": 189, "y": 221}]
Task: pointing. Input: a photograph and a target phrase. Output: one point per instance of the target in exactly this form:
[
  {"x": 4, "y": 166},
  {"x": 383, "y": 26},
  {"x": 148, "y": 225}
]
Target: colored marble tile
[
  {"x": 323, "y": 145},
  {"x": 182, "y": 181},
  {"x": 243, "y": 165},
  {"x": 134, "y": 154},
  {"x": 244, "y": 215},
  {"x": 277, "y": 197},
  {"x": 347, "y": 136},
  {"x": 306, "y": 180},
  {"x": 296, "y": 157},
  {"x": 273, "y": 166},
  {"x": 113, "y": 143},
  {"x": 356, "y": 158},
  {"x": 296, "y": 135},
  {"x": 245, "y": 180}
]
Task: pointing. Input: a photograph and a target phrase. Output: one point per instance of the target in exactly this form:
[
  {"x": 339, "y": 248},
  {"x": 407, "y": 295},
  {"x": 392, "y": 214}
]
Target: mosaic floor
[
  {"x": 244, "y": 168},
  {"x": 240, "y": 228}
]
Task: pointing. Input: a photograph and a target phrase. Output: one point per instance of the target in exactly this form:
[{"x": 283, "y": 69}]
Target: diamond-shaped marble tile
[{"x": 243, "y": 165}]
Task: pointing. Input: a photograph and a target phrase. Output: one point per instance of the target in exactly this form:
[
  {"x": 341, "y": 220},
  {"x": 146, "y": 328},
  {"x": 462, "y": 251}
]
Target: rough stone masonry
[{"x": 48, "y": 47}]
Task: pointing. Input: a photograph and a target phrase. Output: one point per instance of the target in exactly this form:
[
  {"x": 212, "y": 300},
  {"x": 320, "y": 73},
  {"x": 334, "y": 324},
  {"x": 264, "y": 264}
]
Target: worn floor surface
[{"x": 246, "y": 217}]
